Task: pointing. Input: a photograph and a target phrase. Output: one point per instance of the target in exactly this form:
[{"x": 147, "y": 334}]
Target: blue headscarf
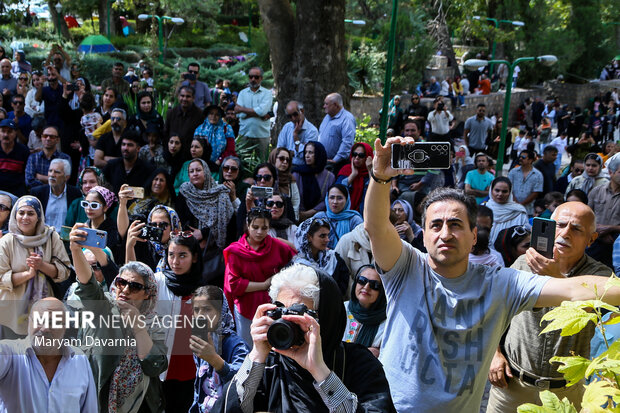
[{"x": 340, "y": 222}]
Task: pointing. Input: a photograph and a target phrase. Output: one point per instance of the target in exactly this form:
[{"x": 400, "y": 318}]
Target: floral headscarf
[
  {"x": 175, "y": 225},
  {"x": 108, "y": 196}
]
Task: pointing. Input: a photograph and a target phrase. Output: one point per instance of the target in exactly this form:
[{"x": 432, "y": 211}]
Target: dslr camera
[
  {"x": 441, "y": 106},
  {"x": 284, "y": 334}
]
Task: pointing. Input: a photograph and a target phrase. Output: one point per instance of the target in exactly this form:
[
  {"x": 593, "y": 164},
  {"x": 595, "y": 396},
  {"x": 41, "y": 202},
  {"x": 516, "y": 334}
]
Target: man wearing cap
[
  {"x": 13, "y": 158},
  {"x": 38, "y": 163},
  {"x": 128, "y": 169},
  {"x": 297, "y": 132}
]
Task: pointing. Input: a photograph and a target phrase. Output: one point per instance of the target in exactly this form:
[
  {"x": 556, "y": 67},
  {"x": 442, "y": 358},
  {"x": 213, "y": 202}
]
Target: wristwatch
[{"x": 380, "y": 181}]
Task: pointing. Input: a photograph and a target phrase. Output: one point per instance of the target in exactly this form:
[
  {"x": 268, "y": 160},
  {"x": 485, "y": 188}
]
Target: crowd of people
[{"x": 401, "y": 283}]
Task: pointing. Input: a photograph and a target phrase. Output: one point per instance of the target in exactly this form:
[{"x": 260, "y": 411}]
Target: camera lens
[{"x": 284, "y": 334}]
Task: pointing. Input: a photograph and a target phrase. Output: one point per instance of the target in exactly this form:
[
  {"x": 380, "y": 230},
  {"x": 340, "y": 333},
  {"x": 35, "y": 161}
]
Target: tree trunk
[
  {"x": 102, "y": 7},
  {"x": 64, "y": 30},
  {"x": 438, "y": 29},
  {"x": 307, "y": 52}
]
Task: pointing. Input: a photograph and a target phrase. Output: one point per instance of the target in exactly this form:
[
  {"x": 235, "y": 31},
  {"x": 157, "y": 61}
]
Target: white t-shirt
[
  {"x": 441, "y": 333},
  {"x": 560, "y": 144}
]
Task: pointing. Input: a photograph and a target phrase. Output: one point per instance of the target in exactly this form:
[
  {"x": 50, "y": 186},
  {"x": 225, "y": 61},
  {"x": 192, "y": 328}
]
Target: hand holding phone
[
  {"x": 94, "y": 238},
  {"x": 543, "y": 236},
  {"x": 421, "y": 155}
]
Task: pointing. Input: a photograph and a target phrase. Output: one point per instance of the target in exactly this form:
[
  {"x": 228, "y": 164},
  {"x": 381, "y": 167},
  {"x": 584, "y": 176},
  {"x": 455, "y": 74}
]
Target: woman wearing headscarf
[
  {"x": 366, "y": 311},
  {"x": 506, "y": 212},
  {"x": 219, "y": 353},
  {"x": 281, "y": 226},
  {"x": 204, "y": 205},
  {"x": 126, "y": 378},
  {"x": 230, "y": 177},
  {"x": 90, "y": 177},
  {"x": 218, "y": 133},
  {"x": 158, "y": 190},
  {"x": 341, "y": 218},
  {"x": 463, "y": 164},
  {"x": 289, "y": 378},
  {"x": 7, "y": 200},
  {"x": 20, "y": 64},
  {"x": 592, "y": 177},
  {"x": 405, "y": 224},
  {"x": 199, "y": 148},
  {"x": 355, "y": 175},
  {"x": 395, "y": 114},
  {"x": 146, "y": 114},
  {"x": 313, "y": 180},
  {"x": 96, "y": 204},
  {"x": 282, "y": 159},
  {"x": 32, "y": 260},
  {"x": 513, "y": 242},
  {"x": 312, "y": 239}
]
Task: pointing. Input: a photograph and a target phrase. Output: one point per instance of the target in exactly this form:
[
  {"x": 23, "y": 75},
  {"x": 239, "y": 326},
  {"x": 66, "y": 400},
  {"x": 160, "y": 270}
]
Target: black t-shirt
[
  {"x": 115, "y": 174},
  {"x": 548, "y": 172},
  {"x": 108, "y": 146}
]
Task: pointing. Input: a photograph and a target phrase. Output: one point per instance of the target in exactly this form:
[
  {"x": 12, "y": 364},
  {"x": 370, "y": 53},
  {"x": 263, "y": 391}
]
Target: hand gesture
[
  {"x": 133, "y": 233},
  {"x": 125, "y": 194},
  {"x": 77, "y": 234},
  {"x": 232, "y": 190},
  {"x": 539, "y": 264},
  {"x": 354, "y": 171},
  {"x": 258, "y": 330},
  {"x": 382, "y": 162},
  {"x": 196, "y": 232},
  {"x": 201, "y": 348},
  {"x": 298, "y": 126},
  {"x": 249, "y": 200},
  {"x": 34, "y": 261},
  {"x": 499, "y": 371},
  {"x": 130, "y": 314}
]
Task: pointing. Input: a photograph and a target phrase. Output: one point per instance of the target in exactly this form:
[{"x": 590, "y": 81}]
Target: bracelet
[{"x": 380, "y": 181}]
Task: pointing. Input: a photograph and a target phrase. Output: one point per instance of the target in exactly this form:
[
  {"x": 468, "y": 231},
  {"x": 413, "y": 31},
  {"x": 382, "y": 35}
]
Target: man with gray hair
[
  {"x": 252, "y": 109},
  {"x": 57, "y": 195},
  {"x": 605, "y": 202},
  {"x": 39, "y": 162},
  {"x": 297, "y": 132},
  {"x": 337, "y": 131}
]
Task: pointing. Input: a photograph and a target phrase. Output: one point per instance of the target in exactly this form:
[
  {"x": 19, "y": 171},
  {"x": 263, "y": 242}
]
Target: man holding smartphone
[
  {"x": 522, "y": 366},
  {"x": 445, "y": 316}
]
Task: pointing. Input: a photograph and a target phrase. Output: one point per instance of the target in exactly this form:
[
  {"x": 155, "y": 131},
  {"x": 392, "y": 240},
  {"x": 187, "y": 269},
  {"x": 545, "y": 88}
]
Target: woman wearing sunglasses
[
  {"x": 281, "y": 227},
  {"x": 127, "y": 378},
  {"x": 89, "y": 178},
  {"x": 313, "y": 239},
  {"x": 355, "y": 174},
  {"x": 251, "y": 263},
  {"x": 32, "y": 260},
  {"x": 6, "y": 204},
  {"x": 366, "y": 310},
  {"x": 230, "y": 177},
  {"x": 96, "y": 204},
  {"x": 313, "y": 180},
  {"x": 512, "y": 243},
  {"x": 282, "y": 159},
  {"x": 341, "y": 218}
]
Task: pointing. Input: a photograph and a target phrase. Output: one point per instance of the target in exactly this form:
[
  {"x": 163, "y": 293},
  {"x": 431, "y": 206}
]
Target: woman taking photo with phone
[{"x": 96, "y": 204}]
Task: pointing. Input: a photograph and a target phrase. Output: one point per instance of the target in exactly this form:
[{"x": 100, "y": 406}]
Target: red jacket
[{"x": 243, "y": 265}]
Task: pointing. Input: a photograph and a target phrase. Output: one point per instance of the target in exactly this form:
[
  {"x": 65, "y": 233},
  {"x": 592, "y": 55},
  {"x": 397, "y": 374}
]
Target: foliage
[
  {"x": 366, "y": 67},
  {"x": 603, "y": 371},
  {"x": 365, "y": 132},
  {"x": 246, "y": 152}
]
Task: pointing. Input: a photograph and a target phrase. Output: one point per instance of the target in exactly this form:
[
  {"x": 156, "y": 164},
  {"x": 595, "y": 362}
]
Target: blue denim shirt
[
  {"x": 337, "y": 135},
  {"x": 309, "y": 132}
]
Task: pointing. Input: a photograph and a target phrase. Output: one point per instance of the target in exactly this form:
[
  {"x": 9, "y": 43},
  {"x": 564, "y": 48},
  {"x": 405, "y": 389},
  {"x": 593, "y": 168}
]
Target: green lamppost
[
  {"x": 497, "y": 22},
  {"x": 160, "y": 19},
  {"x": 473, "y": 64},
  {"x": 58, "y": 8},
  {"x": 387, "y": 86}
]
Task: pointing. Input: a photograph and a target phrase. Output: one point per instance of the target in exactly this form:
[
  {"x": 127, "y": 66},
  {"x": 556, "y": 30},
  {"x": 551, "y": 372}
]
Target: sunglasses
[
  {"x": 578, "y": 170},
  {"x": 230, "y": 168},
  {"x": 265, "y": 177},
  {"x": 134, "y": 287},
  {"x": 358, "y": 155},
  {"x": 254, "y": 76},
  {"x": 523, "y": 157},
  {"x": 162, "y": 225},
  {"x": 374, "y": 284},
  {"x": 4, "y": 208},
  {"x": 519, "y": 231},
  {"x": 278, "y": 204},
  {"x": 47, "y": 136},
  {"x": 91, "y": 205},
  {"x": 284, "y": 159},
  {"x": 194, "y": 72},
  {"x": 23, "y": 78},
  {"x": 18, "y": 102}
]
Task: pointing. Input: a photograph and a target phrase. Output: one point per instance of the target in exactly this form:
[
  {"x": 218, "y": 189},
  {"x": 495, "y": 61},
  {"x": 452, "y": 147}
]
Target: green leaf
[
  {"x": 574, "y": 368},
  {"x": 570, "y": 318},
  {"x": 597, "y": 394},
  {"x": 613, "y": 281},
  {"x": 550, "y": 404}
]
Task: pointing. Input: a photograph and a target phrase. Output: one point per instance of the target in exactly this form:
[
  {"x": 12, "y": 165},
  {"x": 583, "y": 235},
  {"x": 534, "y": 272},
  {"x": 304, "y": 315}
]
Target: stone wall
[{"x": 580, "y": 95}]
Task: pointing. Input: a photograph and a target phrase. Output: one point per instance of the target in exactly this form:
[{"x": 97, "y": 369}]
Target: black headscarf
[
  {"x": 287, "y": 387},
  {"x": 371, "y": 318},
  {"x": 311, "y": 190}
]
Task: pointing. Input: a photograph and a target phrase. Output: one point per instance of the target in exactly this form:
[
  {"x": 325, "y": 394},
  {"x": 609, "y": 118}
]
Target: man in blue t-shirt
[
  {"x": 446, "y": 316},
  {"x": 477, "y": 182}
]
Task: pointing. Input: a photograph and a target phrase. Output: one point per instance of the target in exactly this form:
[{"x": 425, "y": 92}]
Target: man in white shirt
[{"x": 440, "y": 119}]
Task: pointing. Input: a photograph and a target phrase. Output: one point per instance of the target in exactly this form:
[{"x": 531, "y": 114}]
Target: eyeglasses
[
  {"x": 48, "y": 136},
  {"x": 116, "y": 118},
  {"x": 4, "y": 208},
  {"x": 261, "y": 212},
  {"x": 292, "y": 115},
  {"x": 230, "y": 168},
  {"x": 91, "y": 205},
  {"x": 134, "y": 287},
  {"x": 195, "y": 72},
  {"x": 519, "y": 231},
  {"x": 358, "y": 155},
  {"x": 523, "y": 157},
  {"x": 415, "y": 98},
  {"x": 254, "y": 76},
  {"x": 374, "y": 284},
  {"x": 162, "y": 225},
  {"x": 265, "y": 177},
  {"x": 182, "y": 234},
  {"x": 284, "y": 159},
  {"x": 278, "y": 204}
]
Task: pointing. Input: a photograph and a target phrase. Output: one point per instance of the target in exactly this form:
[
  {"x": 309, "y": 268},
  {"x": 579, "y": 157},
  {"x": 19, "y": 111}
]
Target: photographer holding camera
[
  {"x": 311, "y": 369},
  {"x": 440, "y": 119},
  {"x": 202, "y": 97}
]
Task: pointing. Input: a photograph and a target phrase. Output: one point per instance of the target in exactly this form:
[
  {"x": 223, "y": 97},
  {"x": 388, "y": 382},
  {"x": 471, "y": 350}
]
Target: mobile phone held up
[
  {"x": 543, "y": 236},
  {"x": 262, "y": 192},
  {"x": 421, "y": 155},
  {"x": 94, "y": 238}
]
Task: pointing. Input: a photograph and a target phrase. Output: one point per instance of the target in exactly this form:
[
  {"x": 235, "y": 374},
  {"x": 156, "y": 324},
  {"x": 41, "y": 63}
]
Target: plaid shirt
[{"x": 39, "y": 164}]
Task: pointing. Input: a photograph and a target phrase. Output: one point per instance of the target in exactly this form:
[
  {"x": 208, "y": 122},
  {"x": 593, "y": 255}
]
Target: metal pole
[
  {"x": 388, "y": 73},
  {"x": 161, "y": 39},
  {"x": 109, "y": 12},
  {"x": 494, "y": 46},
  {"x": 250, "y": 28}
]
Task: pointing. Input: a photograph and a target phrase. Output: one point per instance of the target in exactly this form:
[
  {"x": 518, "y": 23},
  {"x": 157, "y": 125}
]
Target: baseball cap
[{"x": 8, "y": 123}]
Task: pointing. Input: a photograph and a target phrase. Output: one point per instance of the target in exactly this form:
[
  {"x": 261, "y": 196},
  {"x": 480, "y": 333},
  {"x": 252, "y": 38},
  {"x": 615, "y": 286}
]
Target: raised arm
[
  {"x": 384, "y": 240},
  {"x": 82, "y": 268}
]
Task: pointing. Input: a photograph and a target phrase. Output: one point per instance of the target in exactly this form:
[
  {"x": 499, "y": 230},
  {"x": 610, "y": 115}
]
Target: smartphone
[
  {"x": 64, "y": 233},
  {"x": 202, "y": 328},
  {"x": 421, "y": 155},
  {"x": 138, "y": 191},
  {"x": 94, "y": 238},
  {"x": 543, "y": 236},
  {"x": 151, "y": 233},
  {"x": 262, "y": 192}
]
